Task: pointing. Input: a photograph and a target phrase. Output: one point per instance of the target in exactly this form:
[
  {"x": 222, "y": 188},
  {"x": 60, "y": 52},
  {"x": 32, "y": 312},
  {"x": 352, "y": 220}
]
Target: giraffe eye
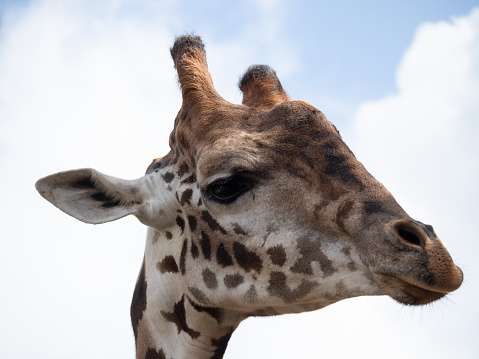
[{"x": 226, "y": 190}]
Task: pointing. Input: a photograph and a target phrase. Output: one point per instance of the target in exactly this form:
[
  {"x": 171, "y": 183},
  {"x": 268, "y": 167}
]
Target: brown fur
[{"x": 261, "y": 88}]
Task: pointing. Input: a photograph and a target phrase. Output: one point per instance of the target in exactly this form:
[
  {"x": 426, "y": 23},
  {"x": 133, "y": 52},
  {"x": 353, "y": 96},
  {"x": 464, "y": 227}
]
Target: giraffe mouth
[{"x": 407, "y": 290}]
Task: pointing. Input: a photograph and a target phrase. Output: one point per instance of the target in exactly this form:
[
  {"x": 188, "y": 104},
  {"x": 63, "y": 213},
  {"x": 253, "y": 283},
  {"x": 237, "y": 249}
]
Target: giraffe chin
[{"x": 407, "y": 293}]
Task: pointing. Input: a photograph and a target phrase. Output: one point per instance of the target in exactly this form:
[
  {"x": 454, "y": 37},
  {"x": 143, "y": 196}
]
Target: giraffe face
[
  {"x": 284, "y": 205},
  {"x": 276, "y": 212},
  {"x": 261, "y": 207}
]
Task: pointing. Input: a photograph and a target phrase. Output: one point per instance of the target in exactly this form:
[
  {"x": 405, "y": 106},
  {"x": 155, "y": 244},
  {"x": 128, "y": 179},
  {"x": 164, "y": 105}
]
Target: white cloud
[
  {"x": 425, "y": 135},
  {"x": 421, "y": 141},
  {"x": 422, "y": 144}
]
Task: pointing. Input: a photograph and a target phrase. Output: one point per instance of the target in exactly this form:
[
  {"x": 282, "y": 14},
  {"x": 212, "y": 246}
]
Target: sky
[{"x": 91, "y": 84}]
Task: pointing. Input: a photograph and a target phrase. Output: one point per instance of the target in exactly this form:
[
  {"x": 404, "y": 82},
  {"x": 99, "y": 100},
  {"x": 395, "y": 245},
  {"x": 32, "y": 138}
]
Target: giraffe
[{"x": 258, "y": 209}]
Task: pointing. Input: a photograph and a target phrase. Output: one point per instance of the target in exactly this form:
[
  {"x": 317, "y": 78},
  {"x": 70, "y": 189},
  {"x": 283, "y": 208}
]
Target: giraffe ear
[{"x": 91, "y": 196}]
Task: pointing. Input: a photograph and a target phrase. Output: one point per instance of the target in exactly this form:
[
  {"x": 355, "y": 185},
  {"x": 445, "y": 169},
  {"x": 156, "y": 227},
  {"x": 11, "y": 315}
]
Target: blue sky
[
  {"x": 345, "y": 49},
  {"x": 91, "y": 84}
]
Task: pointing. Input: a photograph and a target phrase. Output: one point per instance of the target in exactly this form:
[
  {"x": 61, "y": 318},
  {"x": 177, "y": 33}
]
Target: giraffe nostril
[
  {"x": 409, "y": 237},
  {"x": 410, "y": 233}
]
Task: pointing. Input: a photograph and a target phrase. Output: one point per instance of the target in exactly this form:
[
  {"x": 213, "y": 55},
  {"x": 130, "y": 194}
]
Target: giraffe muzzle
[{"x": 425, "y": 272}]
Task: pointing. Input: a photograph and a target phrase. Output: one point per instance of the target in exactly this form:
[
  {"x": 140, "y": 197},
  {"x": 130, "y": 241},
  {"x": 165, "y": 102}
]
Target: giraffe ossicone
[{"x": 258, "y": 209}]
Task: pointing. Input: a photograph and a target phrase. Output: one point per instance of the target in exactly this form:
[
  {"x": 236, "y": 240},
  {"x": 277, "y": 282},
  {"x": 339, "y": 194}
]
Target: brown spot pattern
[
  {"x": 205, "y": 245},
  {"x": 233, "y": 280},
  {"x": 277, "y": 255},
  {"x": 248, "y": 260},
  {"x": 343, "y": 214},
  {"x": 216, "y": 313},
  {"x": 221, "y": 344},
  {"x": 194, "y": 250},
  {"x": 311, "y": 251},
  {"x": 192, "y": 223},
  {"x": 189, "y": 180},
  {"x": 168, "y": 177},
  {"x": 183, "y": 169},
  {"x": 337, "y": 164},
  {"x": 251, "y": 295},
  {"x": 152, "y": 353},
  {"x": 371, "y": 207},
  {"x": 199, "y": 295},
  {"x": 212, "y": 223},
  {"x": 278, "y": 288},
  {"x": 168, "y": 264},
  {"x": 175, "y": 159},
  {"x": 181, "y": 223},
  {"x": 210, "y": 279},
  {"x": 186, "y": 197},
  {"x": 138, "y": 303},
  {"x": 178, "y": 317},
  {"x": 183, "y": 257},
  {"x": 223, "y": 257},
  {"x": 239, "y": 230}
]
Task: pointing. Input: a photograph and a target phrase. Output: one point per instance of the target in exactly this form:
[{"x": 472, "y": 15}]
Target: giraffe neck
[{"x": 167, "y": 322}]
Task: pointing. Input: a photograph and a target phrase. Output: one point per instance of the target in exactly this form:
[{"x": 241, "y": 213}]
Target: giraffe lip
[
  {"x": 408, "y": 291},
  {"x": 424, "y": 286}
]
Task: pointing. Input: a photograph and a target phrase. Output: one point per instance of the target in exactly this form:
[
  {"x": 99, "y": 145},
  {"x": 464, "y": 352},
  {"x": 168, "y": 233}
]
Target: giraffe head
[{"x": 260, "y": 208}]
